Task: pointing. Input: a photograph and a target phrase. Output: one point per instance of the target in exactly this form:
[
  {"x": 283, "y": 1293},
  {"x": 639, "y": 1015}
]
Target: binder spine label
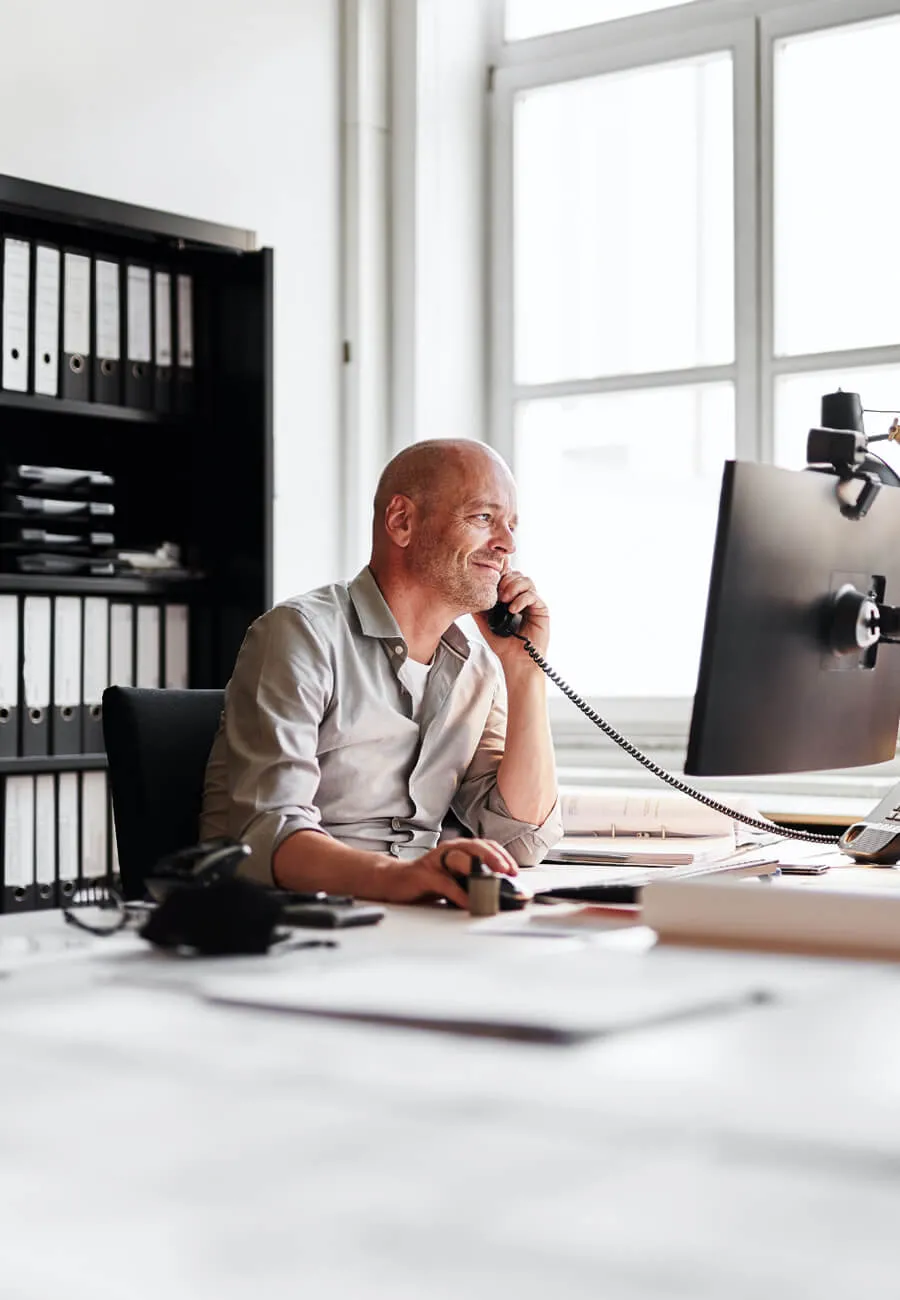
[
  {"x": 77, "y": 310},
  {"x": 163, "y": 318},
  {"x": 138, "y": 316},
  {"x": 16, "y": 311},
  {"x": 46, "y": 321},
  {"x": 108, "y": 342},
  {"x": 185, "y": 322}
]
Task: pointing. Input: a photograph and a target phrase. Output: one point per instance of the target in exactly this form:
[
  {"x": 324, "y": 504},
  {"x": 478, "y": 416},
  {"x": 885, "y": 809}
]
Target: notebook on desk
[{"x": 633, "y": 850}]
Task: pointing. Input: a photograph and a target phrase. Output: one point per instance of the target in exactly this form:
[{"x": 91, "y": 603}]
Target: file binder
[
  {"x": 176, "y": 663},
  {"x": 121, "y": 645},
  {"x": 9, "y": 676},
  {"x": 46, "y": 319},
  {"x": 139, "y": 389},
  {"x": 16, "y": 313},
  {"x": 45, "y": 840},
  {"x": 148, "y": 656},
  {"x": 18, "y": 843},
  {"x": 56, "y": 478},
  {"x": 35, "y": 675},
  {"x": 72, "y": 565},
  {"x": 67, "y": 855},
  {"x": 76, "y": 378},
  {"x": 66, "y": 712},
  {"x": 184, "y": 381},
  {"x": 56, "y": 508},
  {"x": 95, "y": 678},
  {"x": 94, "y": 839},
  {"x": 32, "y": 539},
  {"x": 107, "y": 332},
  {"x": 162, "y": 341}
]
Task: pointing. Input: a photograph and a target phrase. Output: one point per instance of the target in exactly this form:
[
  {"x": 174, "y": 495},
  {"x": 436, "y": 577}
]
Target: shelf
[
  {"x": 92, "y": 410},
  {"x": 52, "y": 763},
  {"x": 75, "y": 584}
]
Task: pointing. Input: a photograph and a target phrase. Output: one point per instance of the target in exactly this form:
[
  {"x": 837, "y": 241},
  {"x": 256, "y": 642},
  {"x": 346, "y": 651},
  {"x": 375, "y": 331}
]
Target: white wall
[
  {"x": 440, "y": 54},
  {"x": 224, "y": 110}
]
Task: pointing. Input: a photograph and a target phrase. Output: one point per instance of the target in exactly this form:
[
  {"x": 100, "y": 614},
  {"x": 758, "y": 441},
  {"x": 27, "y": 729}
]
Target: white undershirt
[{"x": 414, "y": 677}]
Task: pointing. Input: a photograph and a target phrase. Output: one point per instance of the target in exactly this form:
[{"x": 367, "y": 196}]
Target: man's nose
[{"x": 503, "y": 539}]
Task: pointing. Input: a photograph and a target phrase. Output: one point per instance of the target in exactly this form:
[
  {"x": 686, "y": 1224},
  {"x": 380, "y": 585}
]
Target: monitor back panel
[{"x": 772, "y": 696}]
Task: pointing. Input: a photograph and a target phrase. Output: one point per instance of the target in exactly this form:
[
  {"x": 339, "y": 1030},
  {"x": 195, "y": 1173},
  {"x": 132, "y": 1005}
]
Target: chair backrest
[{"x": 157, "y": 744}]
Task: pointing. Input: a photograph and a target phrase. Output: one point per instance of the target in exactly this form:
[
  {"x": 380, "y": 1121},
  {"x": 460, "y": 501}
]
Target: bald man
[{"x": 359, "y": 719}]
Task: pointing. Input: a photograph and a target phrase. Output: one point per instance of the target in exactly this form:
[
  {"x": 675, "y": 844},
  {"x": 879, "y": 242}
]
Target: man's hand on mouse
[{"x": 431, "y": 875}]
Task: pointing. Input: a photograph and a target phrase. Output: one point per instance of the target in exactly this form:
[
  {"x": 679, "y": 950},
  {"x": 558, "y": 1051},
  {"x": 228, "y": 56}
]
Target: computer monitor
[{"x": 774, "y": 694}]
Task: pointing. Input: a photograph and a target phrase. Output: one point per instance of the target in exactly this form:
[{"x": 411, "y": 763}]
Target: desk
[{"x": 156, "y": 1145}]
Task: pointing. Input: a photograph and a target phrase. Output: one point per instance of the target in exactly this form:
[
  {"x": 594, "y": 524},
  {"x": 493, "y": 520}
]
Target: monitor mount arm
[{"x": 857, "y": 621}]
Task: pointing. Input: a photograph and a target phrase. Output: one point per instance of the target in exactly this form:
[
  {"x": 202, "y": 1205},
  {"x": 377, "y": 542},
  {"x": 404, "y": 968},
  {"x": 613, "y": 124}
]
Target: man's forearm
[
  {"x": 526, "y": 776},
  {"x": 310, "y": 860}
]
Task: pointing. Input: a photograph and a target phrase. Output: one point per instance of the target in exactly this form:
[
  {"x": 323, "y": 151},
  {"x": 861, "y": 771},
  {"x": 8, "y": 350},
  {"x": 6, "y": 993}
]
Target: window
[
  {"x": 607, "y": 480},
  {"x": 692, "y": 242},
  {"x": 537, "y": 17},
  {"x": 623, "y": 223},
  {"x": 836, "y": 192}
]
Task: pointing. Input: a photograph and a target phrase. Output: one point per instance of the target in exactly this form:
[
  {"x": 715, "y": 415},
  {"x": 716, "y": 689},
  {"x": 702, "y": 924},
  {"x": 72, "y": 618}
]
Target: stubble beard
[{"x": 471, "y": 590}]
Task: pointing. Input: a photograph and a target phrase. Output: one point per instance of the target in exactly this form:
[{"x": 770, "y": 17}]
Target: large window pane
[
  {"x": 618, "y": 498},
  {"x": 837, "y": 190},
  {"x": 798, "y": 408},
  {"x": 537, "y": 17},
  {"x": 623, "y": 223}
]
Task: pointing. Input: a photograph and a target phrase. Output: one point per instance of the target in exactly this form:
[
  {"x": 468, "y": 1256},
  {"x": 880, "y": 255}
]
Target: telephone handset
[
  {"x": 877, "y": 838},
  {"x": 502, "y": 622}
]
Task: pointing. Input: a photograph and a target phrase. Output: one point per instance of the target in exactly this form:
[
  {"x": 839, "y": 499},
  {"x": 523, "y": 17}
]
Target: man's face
[{"x": 464, "y": 537}]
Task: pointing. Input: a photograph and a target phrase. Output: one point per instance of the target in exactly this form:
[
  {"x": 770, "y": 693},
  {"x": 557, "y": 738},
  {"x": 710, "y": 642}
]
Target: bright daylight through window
[
  {"x": 624, "y": 255},
  {"x": 694, "y": 236}
]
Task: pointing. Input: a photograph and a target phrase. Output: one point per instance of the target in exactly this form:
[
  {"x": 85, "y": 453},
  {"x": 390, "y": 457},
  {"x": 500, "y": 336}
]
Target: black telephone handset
[
  {"x": 877, "y": 838},
  {"x": 502, "y": 622}
]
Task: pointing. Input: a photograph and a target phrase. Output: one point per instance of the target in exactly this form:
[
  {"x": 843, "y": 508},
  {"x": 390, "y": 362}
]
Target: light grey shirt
[{"x": 318, "y": 734}]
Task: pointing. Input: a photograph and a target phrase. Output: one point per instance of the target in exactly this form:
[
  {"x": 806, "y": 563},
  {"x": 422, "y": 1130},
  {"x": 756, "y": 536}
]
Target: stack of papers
[{"x": 785, "y": 917}]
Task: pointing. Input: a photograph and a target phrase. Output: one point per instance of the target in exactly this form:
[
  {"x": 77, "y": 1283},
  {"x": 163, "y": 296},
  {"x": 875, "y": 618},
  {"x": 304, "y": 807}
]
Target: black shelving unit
[
  {"x": 203, "y": 479},
  {"x": 200, "y": 478}
]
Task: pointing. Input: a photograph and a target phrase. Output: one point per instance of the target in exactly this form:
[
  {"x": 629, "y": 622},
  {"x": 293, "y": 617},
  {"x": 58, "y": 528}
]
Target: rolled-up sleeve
[
  {"x": 279, "y": 691},
  {"x": 481, "y": 808}
]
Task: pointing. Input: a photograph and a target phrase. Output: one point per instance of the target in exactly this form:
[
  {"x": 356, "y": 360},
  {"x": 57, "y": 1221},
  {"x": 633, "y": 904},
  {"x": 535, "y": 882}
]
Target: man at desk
[{"x": 359, "y": 716}]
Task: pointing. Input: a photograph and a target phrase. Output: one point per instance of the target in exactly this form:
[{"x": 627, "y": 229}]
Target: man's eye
[{"x": 485, "y": 516}]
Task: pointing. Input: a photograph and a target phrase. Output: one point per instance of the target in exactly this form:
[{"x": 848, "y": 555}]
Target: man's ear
[{"x": 399, "y": 518}]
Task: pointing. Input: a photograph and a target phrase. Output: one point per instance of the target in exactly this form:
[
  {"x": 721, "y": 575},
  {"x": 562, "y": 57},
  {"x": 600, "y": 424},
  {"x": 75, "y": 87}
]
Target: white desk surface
[{"x": 157, "y": 1145}]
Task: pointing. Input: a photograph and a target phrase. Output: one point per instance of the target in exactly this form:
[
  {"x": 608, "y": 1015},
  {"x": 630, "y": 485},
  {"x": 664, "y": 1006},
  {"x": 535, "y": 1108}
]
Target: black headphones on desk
[{"x": 204, "y": 906}]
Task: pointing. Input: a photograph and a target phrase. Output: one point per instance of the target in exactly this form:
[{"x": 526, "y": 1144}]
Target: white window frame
[{"x": 748, "y": 30}]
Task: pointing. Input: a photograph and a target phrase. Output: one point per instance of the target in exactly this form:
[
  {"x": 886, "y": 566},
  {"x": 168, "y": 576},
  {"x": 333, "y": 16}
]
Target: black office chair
[{"x": 157, "y": 744}]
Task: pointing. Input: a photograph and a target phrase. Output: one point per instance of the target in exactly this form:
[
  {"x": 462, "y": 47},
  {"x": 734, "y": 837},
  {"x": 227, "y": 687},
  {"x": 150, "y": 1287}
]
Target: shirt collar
[{"x": 376, "y": 619}]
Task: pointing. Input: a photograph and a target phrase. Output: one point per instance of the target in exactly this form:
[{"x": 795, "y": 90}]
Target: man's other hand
[{"x": 427, "y": 877}]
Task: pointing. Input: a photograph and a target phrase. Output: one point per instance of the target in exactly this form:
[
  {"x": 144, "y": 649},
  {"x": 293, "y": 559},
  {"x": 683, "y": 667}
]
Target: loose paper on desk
[
  {"x": 559, "y": 999},
  {"x": 614, "y": 813}
]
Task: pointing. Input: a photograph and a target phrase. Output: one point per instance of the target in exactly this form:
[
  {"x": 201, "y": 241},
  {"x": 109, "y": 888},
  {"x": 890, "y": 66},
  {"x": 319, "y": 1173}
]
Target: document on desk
[
  {"x": 549, "y": 876},
  {"x": 638, "y": 850},
  {"x": 560, "y": 999}
]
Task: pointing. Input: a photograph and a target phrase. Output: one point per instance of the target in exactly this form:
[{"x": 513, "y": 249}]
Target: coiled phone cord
[{"x": 758, "y": 823}]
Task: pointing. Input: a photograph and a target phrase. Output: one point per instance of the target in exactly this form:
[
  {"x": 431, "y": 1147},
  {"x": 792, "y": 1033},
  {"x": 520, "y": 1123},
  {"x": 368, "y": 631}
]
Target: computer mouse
[{"x": 512, "y": 896}]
